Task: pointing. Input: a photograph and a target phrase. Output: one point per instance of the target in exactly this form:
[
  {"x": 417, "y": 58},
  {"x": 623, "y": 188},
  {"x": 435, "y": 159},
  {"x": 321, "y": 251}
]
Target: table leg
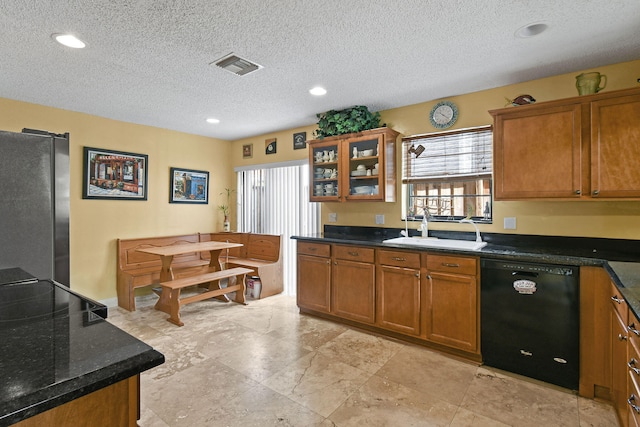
[
  {"x": 214, "y": 265},
  {"x": 166, "y": 273}
]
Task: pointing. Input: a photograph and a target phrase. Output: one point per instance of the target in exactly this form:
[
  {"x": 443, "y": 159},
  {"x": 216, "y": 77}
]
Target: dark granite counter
[
  {"x": 620, "y": 257},
  {"x": 55, "y": 347}
]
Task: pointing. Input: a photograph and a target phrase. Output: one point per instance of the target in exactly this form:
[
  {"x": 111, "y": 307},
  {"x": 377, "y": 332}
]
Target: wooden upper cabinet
[
  {"x": 354, "y": 167},
  {"x": 615, "y": 147},
  {"x": 580, "y": 148},
  {"x": 537, "y": 153}
]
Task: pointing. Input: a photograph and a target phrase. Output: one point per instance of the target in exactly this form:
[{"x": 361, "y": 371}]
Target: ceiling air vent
[{"x": 237, "y": 65}]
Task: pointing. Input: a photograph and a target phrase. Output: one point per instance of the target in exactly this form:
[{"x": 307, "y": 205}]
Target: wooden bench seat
[
  {"x": 260, "y": 252},
  {"x": 137, "y": 269},
  {"x": 170, "y": 301}
]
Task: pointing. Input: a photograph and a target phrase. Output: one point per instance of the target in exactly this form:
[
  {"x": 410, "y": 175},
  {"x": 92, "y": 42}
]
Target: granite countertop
[
  {"x": 621, "y": 258},
  {"x": 56, "y": 348}
]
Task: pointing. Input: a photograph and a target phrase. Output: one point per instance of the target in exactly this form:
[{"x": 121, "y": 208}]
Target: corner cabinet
[
  {"x": 580, "y": 148},
  {"x": 354, "y": 167}
]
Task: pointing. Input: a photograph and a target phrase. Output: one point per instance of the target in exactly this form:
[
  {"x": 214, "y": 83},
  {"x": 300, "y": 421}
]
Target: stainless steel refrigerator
[{"x": 34, "y": 203}]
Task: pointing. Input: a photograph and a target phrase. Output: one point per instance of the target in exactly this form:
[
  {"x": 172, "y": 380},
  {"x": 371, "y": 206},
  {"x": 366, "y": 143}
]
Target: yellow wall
[
  {"x": 588, "y": 219},
  {"x": 96, "y": 224}
]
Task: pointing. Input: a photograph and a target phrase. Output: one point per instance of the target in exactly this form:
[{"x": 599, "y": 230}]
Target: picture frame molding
[
  {"x": 102, "y": 181},
  {"x": 200, "y": 176}
]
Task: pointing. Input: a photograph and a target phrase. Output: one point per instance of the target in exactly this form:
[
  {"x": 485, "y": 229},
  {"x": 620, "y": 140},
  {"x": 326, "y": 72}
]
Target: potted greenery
[
  {"x": 349, "y": 120},
  {"x": 225, "y": 208}
]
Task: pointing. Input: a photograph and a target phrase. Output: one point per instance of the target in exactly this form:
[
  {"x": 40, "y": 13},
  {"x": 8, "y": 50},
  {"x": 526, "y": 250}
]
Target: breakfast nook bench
[
  {"x": 137, "y": 269},
  {"x": 170, "y": 301},
  {"x": 262, "y": 253}
]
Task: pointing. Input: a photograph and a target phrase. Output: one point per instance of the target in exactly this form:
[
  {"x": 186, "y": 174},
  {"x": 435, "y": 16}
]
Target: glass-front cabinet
[{"x": 354, "y": 167}]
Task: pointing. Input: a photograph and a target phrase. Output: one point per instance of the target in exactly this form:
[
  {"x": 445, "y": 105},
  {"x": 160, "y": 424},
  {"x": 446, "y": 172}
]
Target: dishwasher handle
[{"x": 524, "y": 273}]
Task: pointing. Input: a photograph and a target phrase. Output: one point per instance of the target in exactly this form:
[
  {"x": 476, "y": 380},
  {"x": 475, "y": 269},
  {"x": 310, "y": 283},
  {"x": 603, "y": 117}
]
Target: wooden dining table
[{"x": 166, "y": 254}]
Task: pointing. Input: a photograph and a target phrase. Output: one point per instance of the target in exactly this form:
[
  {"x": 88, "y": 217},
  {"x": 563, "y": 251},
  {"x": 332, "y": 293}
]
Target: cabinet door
[
  {"x": 398, "y": 299},
  {"x": 353, "y": 290},
  {"x": 452, "y": 310},
  {"x": 325, "y": 176},
  {"x": 314, "y": 283},
  {"x": 615, "y": 151},
  {"x": 537, "y": 153},
  {"x": 619, "y": 367},
  {"x": 364, "y": 168}
]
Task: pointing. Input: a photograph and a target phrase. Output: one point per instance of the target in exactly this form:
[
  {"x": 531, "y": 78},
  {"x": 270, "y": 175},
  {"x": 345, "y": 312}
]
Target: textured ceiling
[{"x": 147, "y": 61}]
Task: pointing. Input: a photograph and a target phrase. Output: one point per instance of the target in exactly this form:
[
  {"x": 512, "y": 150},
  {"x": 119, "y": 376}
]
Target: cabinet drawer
[
  {"x": 633, "y": 400},
  {"x": 317, "y": 249},
  {"x": 452, "y": 264},
  {"x": 354, "y": 253},
  {"x": 620, "y": 304},
  {"x": 633, "y": 361},
  {"x": 399, "y": 258}
]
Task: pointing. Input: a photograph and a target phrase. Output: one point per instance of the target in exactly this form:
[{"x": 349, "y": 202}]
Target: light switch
[
  {"x": 333, "y": 217},
  {"x": 379, "y": 219},
  {"x": 510, "y": 223}
]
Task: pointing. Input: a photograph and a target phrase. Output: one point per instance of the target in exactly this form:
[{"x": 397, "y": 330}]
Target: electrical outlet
[
  {"x": 510, "y": 223},
  {"x": 333, "y": 217},
  {"x": 379, "y": 219}
]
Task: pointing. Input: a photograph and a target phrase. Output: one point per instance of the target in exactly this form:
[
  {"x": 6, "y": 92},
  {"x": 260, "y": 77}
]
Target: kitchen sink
[{"x": 469, "y": 245}]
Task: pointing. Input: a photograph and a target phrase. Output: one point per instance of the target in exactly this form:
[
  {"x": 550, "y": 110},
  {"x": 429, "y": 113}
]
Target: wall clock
[{"x": 443, "y": 115}]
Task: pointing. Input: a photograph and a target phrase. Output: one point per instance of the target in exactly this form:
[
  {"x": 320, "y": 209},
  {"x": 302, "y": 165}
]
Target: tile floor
[{"x": 265, "y": 364}]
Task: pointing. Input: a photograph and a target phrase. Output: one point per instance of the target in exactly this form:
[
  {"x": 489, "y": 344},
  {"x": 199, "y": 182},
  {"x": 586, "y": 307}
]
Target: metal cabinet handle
[
  {"x": 448, "y": 264},
  {"x": 417, "y": 274},
  {"x": 632, "y": 328},
  {"x": 312, "y": 249},
  {"x": 578, "y": 192},
  {"x": 353, "y": 253},
  {"x": 596, "y": 192},
  {"x": 632, "y": 365},
  {"x": 395, "y": 258},
  {"x": 616, "y": 299},
  {"x": 335, "y": 262},
  {"x": 630, "y": 401},
  {"x": 622, "y": 337},
  {"x": 328, "y": 262}
]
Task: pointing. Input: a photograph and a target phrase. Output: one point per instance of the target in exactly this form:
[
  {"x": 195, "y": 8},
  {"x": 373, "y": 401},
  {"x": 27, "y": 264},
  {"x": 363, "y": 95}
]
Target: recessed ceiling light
[
  {"x": 69, "y": 40},
  {"x": 212, "y": 120},
  {"x": 531, "y": 30},
  {"x": 318, "y": 91}
]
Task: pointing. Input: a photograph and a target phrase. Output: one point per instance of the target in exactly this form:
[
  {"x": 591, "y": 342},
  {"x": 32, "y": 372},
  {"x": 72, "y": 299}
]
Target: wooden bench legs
[{"x": 170, "y": 301}]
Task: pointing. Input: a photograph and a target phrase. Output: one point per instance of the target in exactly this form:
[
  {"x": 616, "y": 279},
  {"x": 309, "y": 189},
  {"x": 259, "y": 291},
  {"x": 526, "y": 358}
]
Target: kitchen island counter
[{"x": 56, "y": 348}]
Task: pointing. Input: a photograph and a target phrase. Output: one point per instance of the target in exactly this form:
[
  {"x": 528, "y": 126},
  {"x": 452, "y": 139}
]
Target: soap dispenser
[{"x": 424, "y": 227}]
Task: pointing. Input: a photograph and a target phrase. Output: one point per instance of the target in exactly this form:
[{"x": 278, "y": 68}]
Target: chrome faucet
[{"x": 469, "y": 221}]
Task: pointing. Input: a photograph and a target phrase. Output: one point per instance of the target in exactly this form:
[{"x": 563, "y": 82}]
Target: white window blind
[
  {"x": 274, "y": 199},
  {"x": 449, "y": 156}
]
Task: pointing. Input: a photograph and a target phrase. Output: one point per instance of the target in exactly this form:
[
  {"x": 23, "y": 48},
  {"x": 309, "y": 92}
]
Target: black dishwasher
[{"x": 530, "y": 320}]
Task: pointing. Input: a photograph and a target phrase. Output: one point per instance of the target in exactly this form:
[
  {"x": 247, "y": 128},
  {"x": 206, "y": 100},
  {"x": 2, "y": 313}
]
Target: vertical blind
[
  {"x": 448, "y": 156},
  {"x": 274, "y": 199}
]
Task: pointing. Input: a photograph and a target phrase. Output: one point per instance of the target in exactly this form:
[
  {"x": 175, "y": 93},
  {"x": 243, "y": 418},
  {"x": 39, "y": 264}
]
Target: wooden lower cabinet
[
  {"x": 619, "y": 370},
  {"x": 314, "y": 277},
  {"x": 353, "y": 290},
  {"x": 115, "y": 405},
  {"x": 399, "y": 299},
  {"x": 452, "y": 301}
]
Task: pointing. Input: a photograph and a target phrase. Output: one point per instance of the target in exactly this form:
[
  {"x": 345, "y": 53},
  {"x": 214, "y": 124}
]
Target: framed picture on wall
[
  {"x": 247, "y": 151},
  {"x": 109, "y": 174},
  {"x": 188, "y": 186},
  {"x": 270, "y": 146},
  {"x": 299, "y": 140}
]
